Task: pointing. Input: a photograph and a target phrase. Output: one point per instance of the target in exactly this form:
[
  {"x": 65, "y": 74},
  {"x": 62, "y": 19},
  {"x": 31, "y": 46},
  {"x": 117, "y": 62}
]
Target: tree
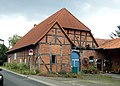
[
  {"x": 13, "y": 40},
  {"x": 116, "y": 34},
  {"x": 3, "y": 56}
]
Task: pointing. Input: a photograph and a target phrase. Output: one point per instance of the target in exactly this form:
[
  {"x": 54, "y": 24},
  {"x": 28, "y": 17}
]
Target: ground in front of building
[{"x": 86, "y": 80}]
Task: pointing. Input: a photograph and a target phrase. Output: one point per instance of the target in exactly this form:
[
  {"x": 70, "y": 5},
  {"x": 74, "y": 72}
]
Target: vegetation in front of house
[
  {"x": 23, "y": 68},
  {"x": 20, "y": 68},
  {"x": 92, "y": 69},
  {"x": 80, "y": 78}
]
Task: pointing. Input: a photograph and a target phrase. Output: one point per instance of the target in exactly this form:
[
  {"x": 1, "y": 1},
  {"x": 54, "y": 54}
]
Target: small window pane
[{"x": 53, "y": 59}]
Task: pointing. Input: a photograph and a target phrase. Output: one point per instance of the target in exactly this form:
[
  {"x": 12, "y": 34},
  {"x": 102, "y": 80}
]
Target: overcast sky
[{"x": 19, "y": 16}]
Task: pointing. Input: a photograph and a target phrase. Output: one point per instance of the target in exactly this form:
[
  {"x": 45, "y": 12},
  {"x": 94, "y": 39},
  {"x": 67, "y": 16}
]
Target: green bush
[
  {"x": 16, "y": 66},
  {"x": 32, "y": 73},
  {"x": 22, "y": 66},
  {"x": 25, "y": 72},
  {"x": 92, "y": 69},
  {"x": 12, "y": 65},
  {"x": 37, "y": 70}
]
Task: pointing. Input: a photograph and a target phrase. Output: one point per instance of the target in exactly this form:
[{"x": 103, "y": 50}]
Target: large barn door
[{"x": 75, "y": 62}]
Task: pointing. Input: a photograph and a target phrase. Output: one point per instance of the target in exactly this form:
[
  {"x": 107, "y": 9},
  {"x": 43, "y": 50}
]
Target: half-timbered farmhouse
[{"x": 59, "y": 43}]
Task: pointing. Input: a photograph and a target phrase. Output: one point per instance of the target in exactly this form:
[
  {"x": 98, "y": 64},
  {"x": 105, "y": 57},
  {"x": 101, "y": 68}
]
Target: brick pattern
[{"x": 56, "y": 45}]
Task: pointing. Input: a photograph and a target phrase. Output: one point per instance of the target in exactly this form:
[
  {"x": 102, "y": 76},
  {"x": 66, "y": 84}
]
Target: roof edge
[{"x": 19, "y": 48}]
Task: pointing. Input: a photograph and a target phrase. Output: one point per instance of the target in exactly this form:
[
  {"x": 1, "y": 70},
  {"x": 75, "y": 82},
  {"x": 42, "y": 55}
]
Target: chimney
[{"x": 35, "y": 25}]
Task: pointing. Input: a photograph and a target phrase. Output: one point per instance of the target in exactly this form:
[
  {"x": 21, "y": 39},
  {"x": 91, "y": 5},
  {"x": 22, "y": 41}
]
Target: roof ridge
[{"x": 58, "y": 14}]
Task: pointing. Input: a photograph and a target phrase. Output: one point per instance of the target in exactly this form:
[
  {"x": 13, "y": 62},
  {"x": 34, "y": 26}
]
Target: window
[
  {"x": 8, "y": 60},
  {"x": 25, "y": 61},
  {"x": 91, "y": 60},
  {"x": 53, "y": 59},
  {"x": 15, "y": 55},
  {"x": 20, "y": 60}
]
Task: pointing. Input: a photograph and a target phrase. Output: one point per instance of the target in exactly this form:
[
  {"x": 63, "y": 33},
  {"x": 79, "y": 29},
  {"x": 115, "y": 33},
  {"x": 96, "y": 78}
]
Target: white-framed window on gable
[{"x": 15, "y": 56}]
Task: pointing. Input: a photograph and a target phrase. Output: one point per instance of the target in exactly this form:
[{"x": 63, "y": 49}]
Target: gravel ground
[{"x": 89, "y": 80}]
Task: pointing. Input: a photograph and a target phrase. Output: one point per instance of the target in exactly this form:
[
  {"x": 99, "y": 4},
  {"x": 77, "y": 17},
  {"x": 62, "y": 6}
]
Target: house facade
[{"x": 59, "y": 43}]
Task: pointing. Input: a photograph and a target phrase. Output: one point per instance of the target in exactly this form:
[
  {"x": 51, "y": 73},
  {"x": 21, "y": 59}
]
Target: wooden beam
[
  {"x": 74, "y": 36},
  {"x": 38, "y": 51},
  {"x": 50, "y": 58},
  {"x": 85, "y": 39},
  {"x": 46, "y": 38},
  {"x": 77, "y": 40},
  {"x": 55, "y": 35},
  {"x": 61, "y": 56}
]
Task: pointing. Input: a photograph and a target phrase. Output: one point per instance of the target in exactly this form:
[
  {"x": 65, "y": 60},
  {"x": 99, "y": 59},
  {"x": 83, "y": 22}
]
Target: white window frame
[
  {"x": 25, "y": 61},
  {"x": 15, "y": 56},
  {"x": 8, "y": 60},
  {"x": 20, "y": 60}
]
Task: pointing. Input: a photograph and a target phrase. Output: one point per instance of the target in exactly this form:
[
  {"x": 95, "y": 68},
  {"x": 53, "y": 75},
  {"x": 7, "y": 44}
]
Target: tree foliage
[
  {"x": 116, "y": 34},
  {"x": 3, "y": 56},
  {"x": 12, "y": 40}
]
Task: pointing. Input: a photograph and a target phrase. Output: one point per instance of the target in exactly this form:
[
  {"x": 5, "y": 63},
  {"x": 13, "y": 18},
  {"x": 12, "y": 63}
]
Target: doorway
[
  {"x": 99, "y": 65},
  {"x": 75, "y": 62}
]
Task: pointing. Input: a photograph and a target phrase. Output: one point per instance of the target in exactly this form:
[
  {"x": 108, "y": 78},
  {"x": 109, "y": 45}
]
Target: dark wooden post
[
  {"x": 50, "y": 58},
  {"x": 38, "y": 52},
  {"x": 31, "y": 58}
]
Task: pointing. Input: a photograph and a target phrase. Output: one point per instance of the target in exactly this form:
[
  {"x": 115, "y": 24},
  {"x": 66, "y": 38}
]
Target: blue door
[{"x": 75, "y": 62}]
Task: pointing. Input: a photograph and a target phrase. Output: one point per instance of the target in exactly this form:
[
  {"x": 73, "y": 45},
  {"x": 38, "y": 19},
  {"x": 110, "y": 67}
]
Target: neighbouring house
[
  {"x": 108, "y": 55},
  {"x": 59, "y": 43}
]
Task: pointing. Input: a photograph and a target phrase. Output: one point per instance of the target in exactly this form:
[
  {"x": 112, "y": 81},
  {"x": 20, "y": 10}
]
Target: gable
[{"x": 56, "y": 35}]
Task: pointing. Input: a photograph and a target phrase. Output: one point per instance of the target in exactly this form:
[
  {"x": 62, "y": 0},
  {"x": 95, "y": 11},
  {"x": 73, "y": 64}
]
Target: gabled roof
[
  {"x": 63, "y": 16},
  {"x": 111, "y": 44},
  {"x": 102, "y": 41}
]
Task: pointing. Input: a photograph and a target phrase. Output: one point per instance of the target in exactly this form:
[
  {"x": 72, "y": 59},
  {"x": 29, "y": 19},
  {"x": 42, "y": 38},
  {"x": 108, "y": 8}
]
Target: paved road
[
  {"x": 12, "y": 79},
  {"x": 15, "y": 80}
]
